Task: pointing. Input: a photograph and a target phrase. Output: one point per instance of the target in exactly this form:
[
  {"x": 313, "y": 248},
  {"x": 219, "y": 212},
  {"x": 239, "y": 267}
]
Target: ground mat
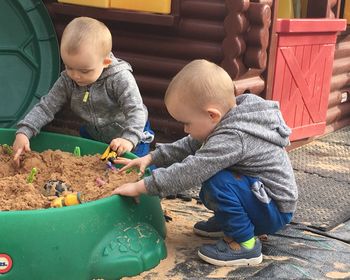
[
  {"x": 322, "y": 170},
  {"x": 323, "y": 202},
  {"x": 295, "y": 252}
]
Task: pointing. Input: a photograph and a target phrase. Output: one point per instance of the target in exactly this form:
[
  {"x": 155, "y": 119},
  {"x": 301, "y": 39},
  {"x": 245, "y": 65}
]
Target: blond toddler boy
[
  {"x": 236, "y": 150},
  {"x": 100, "y": 88}
]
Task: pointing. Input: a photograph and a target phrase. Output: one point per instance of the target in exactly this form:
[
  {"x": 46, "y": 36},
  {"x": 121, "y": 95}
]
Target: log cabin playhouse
[{"x": 305, "y": 66}]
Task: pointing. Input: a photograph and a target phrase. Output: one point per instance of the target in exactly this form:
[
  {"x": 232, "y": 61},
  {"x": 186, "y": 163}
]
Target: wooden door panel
[
  {"x": 303, "y": 71},
  {"x": 302, "y": 81}
]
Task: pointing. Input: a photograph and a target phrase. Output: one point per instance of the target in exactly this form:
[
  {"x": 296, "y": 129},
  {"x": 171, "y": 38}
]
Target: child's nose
[{"x": 75, "y": 75}]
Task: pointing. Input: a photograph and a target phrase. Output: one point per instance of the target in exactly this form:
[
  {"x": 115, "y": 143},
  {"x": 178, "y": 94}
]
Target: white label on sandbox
[{"x": 5, "y": 263}]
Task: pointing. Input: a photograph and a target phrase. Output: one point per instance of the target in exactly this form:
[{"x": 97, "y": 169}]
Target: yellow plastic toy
[
  {"x": 109, "y": 155},
  {"x": 67, "y": 200}
]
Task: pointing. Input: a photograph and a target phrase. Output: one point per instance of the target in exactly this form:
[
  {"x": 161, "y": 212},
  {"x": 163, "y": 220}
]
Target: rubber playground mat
[
  {"x": 322, "y": 170},
  {"x": 296, "y": 252}
]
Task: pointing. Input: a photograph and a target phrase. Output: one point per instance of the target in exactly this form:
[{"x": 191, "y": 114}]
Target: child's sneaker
[
  {"x": 228, "y": 254},
  {"x": 209, "y": 228}
]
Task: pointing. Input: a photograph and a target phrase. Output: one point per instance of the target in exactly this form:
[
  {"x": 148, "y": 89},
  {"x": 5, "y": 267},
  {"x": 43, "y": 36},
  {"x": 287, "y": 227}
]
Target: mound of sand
[{"x": 78, "y": 172}]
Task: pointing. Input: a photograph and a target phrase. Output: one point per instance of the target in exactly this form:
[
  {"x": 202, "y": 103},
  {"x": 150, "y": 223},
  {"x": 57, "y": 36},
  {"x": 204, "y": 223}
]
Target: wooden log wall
[
  {"x": 338, "y": 113},
  {"x": 231, "y": 33},
  {"x": 245, "y": 46}
]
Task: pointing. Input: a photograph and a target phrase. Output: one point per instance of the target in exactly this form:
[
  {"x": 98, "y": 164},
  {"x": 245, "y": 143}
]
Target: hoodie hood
[
  {"x": 116, "y": 66},
  {"x": 259, "y": 118}
]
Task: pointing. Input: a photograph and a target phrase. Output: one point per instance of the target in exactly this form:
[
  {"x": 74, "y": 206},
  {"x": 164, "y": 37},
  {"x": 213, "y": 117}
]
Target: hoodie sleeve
[
  {"x": 219, "y": 152},
  {"x": 167, "y": 154},
  {"x": 44, "y": 112},
  {"x": 129, "y": 99}
]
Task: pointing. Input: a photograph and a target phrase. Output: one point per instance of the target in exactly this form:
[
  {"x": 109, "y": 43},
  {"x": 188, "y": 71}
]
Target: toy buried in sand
[
  {"x": 56, "y": 188},
  {"x": 67, "y": 200}
]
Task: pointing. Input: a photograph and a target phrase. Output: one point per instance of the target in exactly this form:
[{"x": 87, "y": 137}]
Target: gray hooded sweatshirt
[
  {"x": 114, "y": 107},
  {"x": 250, "y": 139}
]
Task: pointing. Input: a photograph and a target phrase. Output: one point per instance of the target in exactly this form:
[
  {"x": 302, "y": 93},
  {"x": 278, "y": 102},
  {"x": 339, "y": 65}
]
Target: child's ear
[
  {"x": 106, "y": 62},
  {"x": 214, "y": 114}
]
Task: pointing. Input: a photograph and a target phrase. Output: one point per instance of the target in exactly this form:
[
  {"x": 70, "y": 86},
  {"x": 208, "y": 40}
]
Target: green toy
[
  {"x": 105, "y": 239},
  {"x": 7, "y": 149},
  {"x": 77, "y": 151},
  {"x": 32, "y": 174}
]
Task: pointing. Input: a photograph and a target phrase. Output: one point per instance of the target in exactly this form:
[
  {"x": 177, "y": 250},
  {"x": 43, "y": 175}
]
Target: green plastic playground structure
[{"x": 104, "y": 239}]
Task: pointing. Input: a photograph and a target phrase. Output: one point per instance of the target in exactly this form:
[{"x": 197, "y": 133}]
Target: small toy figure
[
  {"x": 77, "y": 151},
  {"x": 66, "y": 200},
  {"x": 109, "y": 155},
  {"x": 32, "y": 174},
  {"x": 100, "y": 182},
  {"x": 111, "y": 166},
  {"x": 7, "y": 149},
  {"x": 56, "y": 188}
]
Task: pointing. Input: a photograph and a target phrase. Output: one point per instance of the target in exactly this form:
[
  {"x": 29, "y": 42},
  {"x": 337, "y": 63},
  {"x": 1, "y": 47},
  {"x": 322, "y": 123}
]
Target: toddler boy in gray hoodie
[
  {"x": 100, "y": 88},
  {"x": 236, "y": 150}
]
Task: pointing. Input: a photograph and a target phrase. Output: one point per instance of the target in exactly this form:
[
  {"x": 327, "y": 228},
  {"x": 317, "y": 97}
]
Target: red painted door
[{"x": 303, "y": 71}]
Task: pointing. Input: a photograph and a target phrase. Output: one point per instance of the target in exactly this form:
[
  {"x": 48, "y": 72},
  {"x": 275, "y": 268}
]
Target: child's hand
[
  {"x": 20, "y": 146},
  {"x": 121, "y": 145},
  {"x": 131, "y": 189},
  {"x": 141, "y": 163}
]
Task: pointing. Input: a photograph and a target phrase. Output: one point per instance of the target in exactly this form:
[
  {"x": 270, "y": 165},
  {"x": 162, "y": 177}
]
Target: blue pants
[
  {"x": 242, "y": 206},
  {"x": 140, "y": 150},
  {"x": 143, "y": 148}
]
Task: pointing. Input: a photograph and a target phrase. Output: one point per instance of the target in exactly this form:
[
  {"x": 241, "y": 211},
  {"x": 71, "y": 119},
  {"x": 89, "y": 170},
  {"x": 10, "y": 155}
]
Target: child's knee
[{"x": 216, "y": 188}]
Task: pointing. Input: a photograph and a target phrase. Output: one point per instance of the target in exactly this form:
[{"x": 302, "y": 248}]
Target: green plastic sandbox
[{"x": 105, "y": 239}]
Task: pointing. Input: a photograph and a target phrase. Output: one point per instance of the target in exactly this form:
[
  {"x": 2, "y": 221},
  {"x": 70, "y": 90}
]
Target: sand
[{"x": 78, "y": 172}]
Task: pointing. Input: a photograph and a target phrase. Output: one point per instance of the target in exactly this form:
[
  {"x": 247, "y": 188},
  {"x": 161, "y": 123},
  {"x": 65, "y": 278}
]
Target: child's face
[
  {"x": 85, "y": 66},
  {"x": 197, "y": 122}
]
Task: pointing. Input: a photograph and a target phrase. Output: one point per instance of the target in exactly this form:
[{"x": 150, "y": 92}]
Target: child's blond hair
[
  {"x": 86, "y": 31},
  {"x": 203, "y": 83}
]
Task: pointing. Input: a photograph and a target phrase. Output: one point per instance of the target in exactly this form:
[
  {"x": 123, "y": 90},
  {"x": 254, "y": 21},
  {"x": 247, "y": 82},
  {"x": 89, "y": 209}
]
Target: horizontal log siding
[{"x": 338, "y": 113}]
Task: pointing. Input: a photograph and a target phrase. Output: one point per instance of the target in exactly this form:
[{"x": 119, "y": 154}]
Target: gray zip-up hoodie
[
  {"x": 114, "y": 107},
  {"x": 250, "y": 139}
]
